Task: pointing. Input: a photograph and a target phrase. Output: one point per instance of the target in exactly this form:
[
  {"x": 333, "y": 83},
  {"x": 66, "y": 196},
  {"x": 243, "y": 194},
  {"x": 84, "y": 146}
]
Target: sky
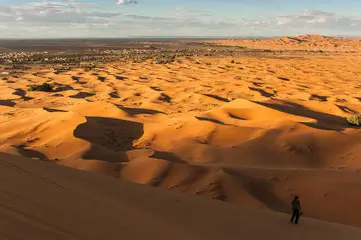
[{"x": 176, "y": 18}]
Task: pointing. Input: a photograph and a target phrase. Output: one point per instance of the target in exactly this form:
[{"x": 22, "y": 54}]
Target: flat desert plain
[{"x": 250, "y": 130}]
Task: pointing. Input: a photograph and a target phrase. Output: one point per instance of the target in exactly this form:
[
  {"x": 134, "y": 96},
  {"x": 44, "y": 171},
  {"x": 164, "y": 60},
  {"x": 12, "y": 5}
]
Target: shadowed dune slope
[{"x": 43, "y": 201}]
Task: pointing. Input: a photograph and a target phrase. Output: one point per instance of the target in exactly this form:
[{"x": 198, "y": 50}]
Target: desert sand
[
  {"x": 45, "y": 201},
  {"x": 309, "y": 42},
  {"x": 252, "y": 131}
]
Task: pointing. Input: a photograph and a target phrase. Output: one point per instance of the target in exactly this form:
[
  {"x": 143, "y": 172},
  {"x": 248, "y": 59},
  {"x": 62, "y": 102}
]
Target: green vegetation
[
  {"x": 354, "y": 120},
  {"x": 45, "y": 87}
]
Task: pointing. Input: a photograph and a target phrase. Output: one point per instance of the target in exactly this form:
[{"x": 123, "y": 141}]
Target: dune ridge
[{"x": 252, "y": 131}]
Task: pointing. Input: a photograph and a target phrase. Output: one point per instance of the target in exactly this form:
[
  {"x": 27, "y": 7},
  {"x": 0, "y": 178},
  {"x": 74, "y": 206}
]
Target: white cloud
[
  {"x": 283, "y": 20},
  {"x": 318, "y": 20},
  {"x": 85, "y": 19},
  {"x": 120, "y": 2}
]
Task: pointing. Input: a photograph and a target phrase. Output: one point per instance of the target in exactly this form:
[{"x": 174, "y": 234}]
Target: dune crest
[{"x": 249, "y": 130}]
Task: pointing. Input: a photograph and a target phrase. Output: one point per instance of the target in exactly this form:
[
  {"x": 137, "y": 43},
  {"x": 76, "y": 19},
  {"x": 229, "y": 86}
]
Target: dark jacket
[{"x": 296, "y": 204}]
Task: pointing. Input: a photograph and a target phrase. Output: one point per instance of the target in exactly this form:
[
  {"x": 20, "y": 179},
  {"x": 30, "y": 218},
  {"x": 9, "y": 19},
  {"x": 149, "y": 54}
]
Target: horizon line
[{"x": 177, "y": 37}]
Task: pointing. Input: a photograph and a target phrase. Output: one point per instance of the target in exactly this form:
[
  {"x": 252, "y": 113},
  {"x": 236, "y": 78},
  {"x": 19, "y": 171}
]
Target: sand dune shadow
[
  {"x": 325, "y": 121},
  {"x": 168, "y": 156},
  {"x": 30, "y": 153},
  {"x": 7, "y": 103},
  {"x": 262, "y": 92},
  {"x": 217, "y": 97},
  {"x": 139, "y": 111},
  {"x": 261, "y": 190},
  {"x": 210, "y": 120},
  {"x": 109, "y": 137},
  {"x": 22, "y": 93},
  {"x": 82, "y": 95}
]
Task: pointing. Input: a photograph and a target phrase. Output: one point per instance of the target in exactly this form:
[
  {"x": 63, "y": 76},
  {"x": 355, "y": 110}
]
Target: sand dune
[
  {"x": 302, "y": 42},
  {"x": 43, "y": 201},
  {"x": 253, "y": 131}
]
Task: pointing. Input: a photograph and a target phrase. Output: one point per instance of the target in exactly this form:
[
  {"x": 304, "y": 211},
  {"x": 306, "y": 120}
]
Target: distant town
[{"x": 65, "y": 56}]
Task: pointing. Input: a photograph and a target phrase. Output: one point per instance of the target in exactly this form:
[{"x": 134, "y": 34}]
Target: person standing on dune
[{"x": 296, "y": 210}]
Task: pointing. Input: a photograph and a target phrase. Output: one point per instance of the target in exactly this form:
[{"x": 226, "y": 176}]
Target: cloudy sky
[{"x": 132, "y": 18}]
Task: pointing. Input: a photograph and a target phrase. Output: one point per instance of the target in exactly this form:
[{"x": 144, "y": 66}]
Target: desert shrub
[
  {"x": 61, "y": 87},
  {"x": 354, "y": 120},
  {"x": 114, "y": 94},
  {"x": 102, "y": 79},
  {"x": 45, "y": 87},
  {"x": 233, "y": 61},
  {"x": 75, "y": 78}
]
